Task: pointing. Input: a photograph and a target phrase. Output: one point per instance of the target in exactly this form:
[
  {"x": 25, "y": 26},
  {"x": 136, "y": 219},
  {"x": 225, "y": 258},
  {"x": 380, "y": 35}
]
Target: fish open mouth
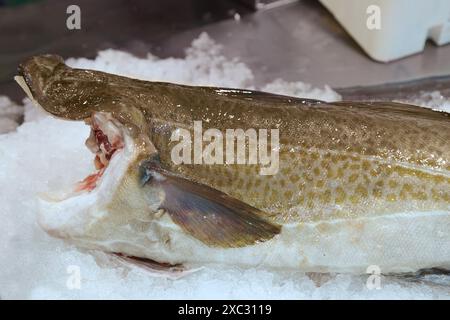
[{"x": 70, "y": 212}]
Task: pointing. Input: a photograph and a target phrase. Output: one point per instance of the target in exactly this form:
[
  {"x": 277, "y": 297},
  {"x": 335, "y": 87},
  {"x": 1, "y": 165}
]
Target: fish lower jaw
[{"x": 68, "y": 214}]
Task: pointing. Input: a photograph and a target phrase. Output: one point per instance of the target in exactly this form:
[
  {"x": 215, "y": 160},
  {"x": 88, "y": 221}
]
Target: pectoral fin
[{"x": 207, "y": 214}]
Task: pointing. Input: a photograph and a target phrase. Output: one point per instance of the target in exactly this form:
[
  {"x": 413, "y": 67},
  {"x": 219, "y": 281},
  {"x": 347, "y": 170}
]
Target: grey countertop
[{"x": 296, "y": 41}]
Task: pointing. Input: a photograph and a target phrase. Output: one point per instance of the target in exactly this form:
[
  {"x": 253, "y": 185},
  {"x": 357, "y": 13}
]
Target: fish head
[{"x": 101, "y": 210}]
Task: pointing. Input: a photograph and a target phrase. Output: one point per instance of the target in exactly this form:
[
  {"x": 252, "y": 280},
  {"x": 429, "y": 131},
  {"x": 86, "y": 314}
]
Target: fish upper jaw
[{"x": 37, "y": 72}]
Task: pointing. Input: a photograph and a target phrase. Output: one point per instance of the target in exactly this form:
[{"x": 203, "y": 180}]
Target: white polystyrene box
[{"x": 405, "y": 25}]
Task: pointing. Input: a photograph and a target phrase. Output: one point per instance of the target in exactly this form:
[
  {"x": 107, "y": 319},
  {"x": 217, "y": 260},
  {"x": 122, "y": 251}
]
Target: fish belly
[{"x": 400, "y": 242}]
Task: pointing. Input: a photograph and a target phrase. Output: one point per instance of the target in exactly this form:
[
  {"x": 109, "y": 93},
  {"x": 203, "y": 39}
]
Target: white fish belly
[{"x": 402, "y": 242}]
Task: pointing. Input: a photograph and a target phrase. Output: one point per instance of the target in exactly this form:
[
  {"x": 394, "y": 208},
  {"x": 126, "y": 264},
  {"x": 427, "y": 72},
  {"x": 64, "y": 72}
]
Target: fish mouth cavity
[{"x": 106, "y": 140}]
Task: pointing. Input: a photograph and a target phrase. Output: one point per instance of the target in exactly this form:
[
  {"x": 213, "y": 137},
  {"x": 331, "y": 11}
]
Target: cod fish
[{"x": 356, "y": 184}]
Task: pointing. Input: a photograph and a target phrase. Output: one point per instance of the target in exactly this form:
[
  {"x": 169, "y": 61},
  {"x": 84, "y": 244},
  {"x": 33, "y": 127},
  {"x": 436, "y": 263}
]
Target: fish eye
[
  {"x": 146, "y": 169},
  {"x": 145, "y": 175}
]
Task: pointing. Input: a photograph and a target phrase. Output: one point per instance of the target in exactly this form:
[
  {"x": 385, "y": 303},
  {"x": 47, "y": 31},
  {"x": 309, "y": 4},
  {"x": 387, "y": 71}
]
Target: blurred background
[{"x": 289, "y": 39}]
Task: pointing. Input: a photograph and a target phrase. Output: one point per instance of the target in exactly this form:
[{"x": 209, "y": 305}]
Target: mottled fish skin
[{"x": 337, "y": 160}]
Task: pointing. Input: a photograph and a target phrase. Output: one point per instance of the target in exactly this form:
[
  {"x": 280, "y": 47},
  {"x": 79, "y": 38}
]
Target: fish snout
[{"x": 38, "y": 70}]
